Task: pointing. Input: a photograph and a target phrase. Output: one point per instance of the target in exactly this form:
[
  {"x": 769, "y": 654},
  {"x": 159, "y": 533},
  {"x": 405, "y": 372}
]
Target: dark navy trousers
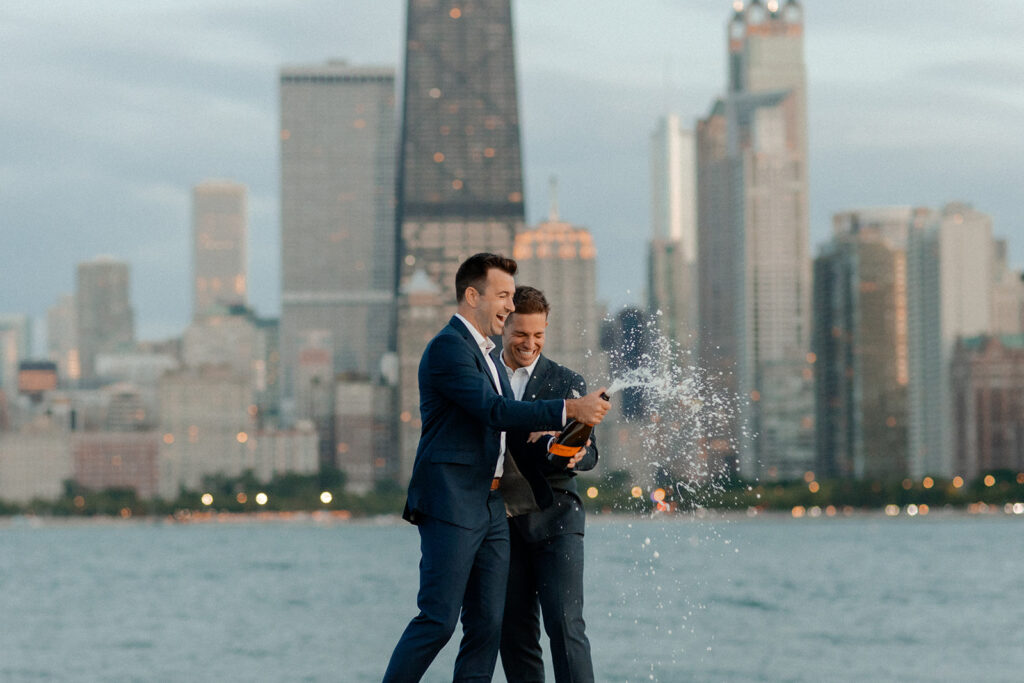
[
  {"x": 546, "y": 575},
  {"x": 462, "y": 571}
]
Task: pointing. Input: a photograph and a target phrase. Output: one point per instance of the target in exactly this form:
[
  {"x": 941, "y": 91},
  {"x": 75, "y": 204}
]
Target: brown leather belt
[{"x": 495, "y": 483}]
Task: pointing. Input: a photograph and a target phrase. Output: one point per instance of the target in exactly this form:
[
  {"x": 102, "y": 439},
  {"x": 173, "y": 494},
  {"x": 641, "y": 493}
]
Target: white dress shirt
[{"x": 519, "y": 377}]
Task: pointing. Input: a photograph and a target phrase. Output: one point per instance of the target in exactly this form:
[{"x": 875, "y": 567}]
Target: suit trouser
[
  {"x": 461, "y": 570},
  {"x": 547, "y": 576}
]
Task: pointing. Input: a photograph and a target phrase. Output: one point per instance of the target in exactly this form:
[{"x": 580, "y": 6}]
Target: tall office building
[
  {"x": 988, "y": 400},
  {"x": 460, "y": 188},
  {"x": 672, "y": 255},
  {"x": 62, "y": 346},
  {"x": 15, "y": 346},
  {"x": 860, "y": 345},
  {"x": 558, "y": 258},
  {"x": 1007, "y": 294},
  {"x": 219, "y": 227},
  {"x": 753, "y": 238},
  {"x": 103, "y": 314},
  {"x": 337, "y": 218},
  {"x": 949, "y": 287}
]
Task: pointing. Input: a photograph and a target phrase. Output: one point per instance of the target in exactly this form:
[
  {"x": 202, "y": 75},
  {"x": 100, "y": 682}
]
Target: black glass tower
[
  {"x": 460, "y": 181},
  {"x": 460, "y": 187}
]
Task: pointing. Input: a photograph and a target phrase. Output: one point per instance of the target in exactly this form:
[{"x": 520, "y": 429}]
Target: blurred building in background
[
  {"x": 560, "y": 259},
  {"x": 104, "y": 319},
  {"x": 460, "y": 186},
  {"x": 753, "y": 235},
  {"x": 337, "y": 219},
  {"x": 860, "y": 345},
  {"x": 988, "y": 404},
  {"x": 15, "y": 346},
  {"x": 219, "y": 255},
  {"x": 61, "y": 340},
  {"x": 949, "y": 295},
  {"x": 672, "y": 252}
]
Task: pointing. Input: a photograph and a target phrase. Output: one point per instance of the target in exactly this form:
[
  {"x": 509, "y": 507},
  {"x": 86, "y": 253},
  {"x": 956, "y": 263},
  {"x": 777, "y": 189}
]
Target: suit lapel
[
  {"x": 537, "y": 378},
  {"x": 481, "y": 362}
]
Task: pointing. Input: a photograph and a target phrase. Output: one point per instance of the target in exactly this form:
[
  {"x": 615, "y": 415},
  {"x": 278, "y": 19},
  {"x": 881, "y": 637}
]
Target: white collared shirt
[
  {"x": 519, "y": 377},
  {"x": 486, "y": 346}
]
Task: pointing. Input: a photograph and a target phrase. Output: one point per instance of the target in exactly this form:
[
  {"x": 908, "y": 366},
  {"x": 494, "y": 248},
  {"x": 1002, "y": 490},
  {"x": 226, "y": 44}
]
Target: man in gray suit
[{"x": 546, "y": 564}]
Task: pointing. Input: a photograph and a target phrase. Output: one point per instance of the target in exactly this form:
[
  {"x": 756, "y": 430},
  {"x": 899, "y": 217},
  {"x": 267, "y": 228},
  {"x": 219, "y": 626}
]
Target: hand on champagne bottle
[
  {"x": 535, "y": 436},
  {"x": 576, "y": 458},
  {"x": 589, "y": 409}
]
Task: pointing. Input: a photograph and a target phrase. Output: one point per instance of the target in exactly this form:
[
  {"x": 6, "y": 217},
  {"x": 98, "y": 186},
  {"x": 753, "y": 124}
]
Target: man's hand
[
  {"x": 534, "y": 436},
  {"x": 590, "y": 409},
  {"x": 576, "y": 458}
]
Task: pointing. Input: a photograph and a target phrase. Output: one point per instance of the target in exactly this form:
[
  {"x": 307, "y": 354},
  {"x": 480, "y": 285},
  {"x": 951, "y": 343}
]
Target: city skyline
[{"x": 157, "y": 110}]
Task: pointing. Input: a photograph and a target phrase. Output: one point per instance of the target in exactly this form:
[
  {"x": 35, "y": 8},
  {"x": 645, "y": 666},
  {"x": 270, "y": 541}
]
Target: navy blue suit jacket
[
  {"x": 463, "y": 416},
  {"x": 561, "y": 507}
]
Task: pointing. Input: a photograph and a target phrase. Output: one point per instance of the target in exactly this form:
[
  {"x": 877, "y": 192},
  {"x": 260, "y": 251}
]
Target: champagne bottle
[{"x": 573, "y": 437}]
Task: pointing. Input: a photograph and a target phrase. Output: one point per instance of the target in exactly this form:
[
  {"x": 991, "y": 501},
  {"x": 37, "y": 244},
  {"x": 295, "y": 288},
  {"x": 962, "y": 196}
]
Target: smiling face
[
  {"x": 523, "y": 339},
  {"x": 490, "y": 308}
]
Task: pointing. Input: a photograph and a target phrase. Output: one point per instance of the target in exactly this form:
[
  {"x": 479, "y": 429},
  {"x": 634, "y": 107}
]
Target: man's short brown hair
[
  {"x": 473, "y": 272},
  {"x": 530, "y": 300}
]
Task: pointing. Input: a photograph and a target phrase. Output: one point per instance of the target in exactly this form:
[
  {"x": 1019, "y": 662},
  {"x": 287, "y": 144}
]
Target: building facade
[
  {"x": 988, "y": 404},
  {"x": 949, "y": 287},
  {"x": 672, "y": 255},
  {"x": 753, "y": 235},
  {"x": 62, "y": 346},
  {"x": 104, "y": 318},
  {"x": 219, "y": 239},
  {"x": 558, "y": 258},
  {"x": 859, "y": 346},
  {"x": 337, "y": 217},
  {"x": 460, "y": 187},
  {"x": 15, "y": 346}
]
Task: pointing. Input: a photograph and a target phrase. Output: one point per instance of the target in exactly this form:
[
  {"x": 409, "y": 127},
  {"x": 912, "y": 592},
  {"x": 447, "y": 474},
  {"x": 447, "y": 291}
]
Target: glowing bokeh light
[
  {"x": 892, "y": 510},
  {"x": 990, "y": 480},
  {"x": 242, "y": 498},
  {"x": 207, "y": 499},
  {"x": 636, "y": 492},
  {"x": 928, "y": 482},
  {"x": 658, "y": 495},
  {"x": 261, "y": 498},
  {"x": 326, "y": 497},
  {"x": 592, "y": 492},
  {"x": 958, "y": 482}
]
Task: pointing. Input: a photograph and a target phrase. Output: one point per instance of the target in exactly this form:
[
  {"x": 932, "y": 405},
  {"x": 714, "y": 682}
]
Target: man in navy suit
[
  {"x": 454, "y": 493},
  {"x": 546, "y": 569}
]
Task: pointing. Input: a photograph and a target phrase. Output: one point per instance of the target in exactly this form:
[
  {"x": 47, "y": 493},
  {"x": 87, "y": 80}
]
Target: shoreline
[{"x": 342, "y": 517}]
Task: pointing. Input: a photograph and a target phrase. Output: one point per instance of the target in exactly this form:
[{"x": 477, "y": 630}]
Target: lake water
[{"x": 866, "y": 598}]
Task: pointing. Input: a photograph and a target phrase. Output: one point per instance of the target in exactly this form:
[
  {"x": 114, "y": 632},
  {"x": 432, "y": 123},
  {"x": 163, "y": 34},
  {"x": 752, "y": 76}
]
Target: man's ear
[{"x": 472, "y": 296}]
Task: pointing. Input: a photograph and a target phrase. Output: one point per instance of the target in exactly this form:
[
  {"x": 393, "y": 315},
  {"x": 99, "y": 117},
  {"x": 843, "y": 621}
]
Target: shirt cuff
[{"x": 563, "y": 412}]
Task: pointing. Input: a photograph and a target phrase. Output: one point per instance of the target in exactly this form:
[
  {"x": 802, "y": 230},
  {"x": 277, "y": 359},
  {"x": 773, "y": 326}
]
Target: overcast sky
[{"x": 110, "y": 111}]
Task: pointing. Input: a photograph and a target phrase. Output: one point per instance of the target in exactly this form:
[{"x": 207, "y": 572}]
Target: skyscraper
[
  {"x": 860, "y": 345},
  {"x": 62, "y": 347},
  {"x": 103, "y": 313},
  {"x": 337, "y": 217},
  {"x": 558, "y": 258},
  {"x": 672, "y": 263},
  {"x": 219, "y": 227},
  {"x": 15, "y": 346},
  {"x": 949, "y": 288},
  {"x": 753, "y": 235},
  {"x": 460, "y": 188}
]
